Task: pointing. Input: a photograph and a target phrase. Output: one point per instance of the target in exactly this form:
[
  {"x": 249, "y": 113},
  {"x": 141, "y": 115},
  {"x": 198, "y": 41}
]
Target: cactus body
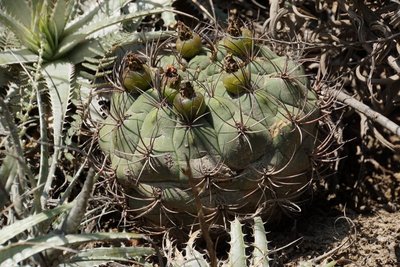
[{"x": 248, "y": 148}]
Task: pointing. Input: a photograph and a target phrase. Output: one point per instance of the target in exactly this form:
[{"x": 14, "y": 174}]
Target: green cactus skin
[
  {"x": 249, "y": 150},
  {"x": 235, "y": 83}
]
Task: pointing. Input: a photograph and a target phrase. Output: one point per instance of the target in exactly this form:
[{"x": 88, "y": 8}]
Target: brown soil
[
  {"x": 358, "y": 225},
  {"x": 351, "y": 239}
]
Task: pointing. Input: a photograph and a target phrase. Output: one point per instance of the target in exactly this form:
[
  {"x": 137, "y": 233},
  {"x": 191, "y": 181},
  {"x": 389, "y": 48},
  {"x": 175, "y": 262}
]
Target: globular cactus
[{"x": 243, "y": 118}]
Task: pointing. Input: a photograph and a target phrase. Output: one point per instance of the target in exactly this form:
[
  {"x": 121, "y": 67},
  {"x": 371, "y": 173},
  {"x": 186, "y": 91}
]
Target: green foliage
[
  {"x": 241, "y": 253},
  {"x": 47, "y": 173},
  {"x": 56, "y": 28},
  {"x": 12, "y": 255},
  {"x": 249, "y": 148},
  {"x": 190, "y": 256}
]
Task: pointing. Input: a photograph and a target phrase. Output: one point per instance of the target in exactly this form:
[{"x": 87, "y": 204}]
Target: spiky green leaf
[
  {"x": 8, "y": 170},
  {"x": 86, "y": 49},
  {"x": 260, "y": 252},
  {"x": 81, "y": 21},
  {"x": 60, "y": 17},
  {"x": 19, "y": 9},
  {"x": 124, "y": 254},
  {"x": 83, "y": 34},
  {"x": 14, "y": 253},
  {"x": 18, "y": 227},
  {"x": 27, "y": 37},
  {"x": 74, "y": 217},
  {"x": 58, "y": 77},
  {"x": 237, "y": 253}
]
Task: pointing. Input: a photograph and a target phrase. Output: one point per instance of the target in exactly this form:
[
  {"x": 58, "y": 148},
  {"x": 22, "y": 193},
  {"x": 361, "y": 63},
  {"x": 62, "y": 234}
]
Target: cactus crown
[
  {"x": 242, "y": 118},
  {"x": 134, "y": 63},
  {"x": 230, "y": 64},
  {"x": 184, "y": 33}
]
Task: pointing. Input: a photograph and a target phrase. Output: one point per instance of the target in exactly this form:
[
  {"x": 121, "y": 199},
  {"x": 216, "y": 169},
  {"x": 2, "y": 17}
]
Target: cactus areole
[{"x": 242, "y": 118}]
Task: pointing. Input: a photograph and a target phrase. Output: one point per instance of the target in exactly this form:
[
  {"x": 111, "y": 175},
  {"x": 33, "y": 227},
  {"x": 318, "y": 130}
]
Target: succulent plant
[
  {"x": 45, "y": 48},
  {"x": 239, "y": 250},
  {"x": 238, "y": 255},
  {"x": 243, "y": 118}
]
